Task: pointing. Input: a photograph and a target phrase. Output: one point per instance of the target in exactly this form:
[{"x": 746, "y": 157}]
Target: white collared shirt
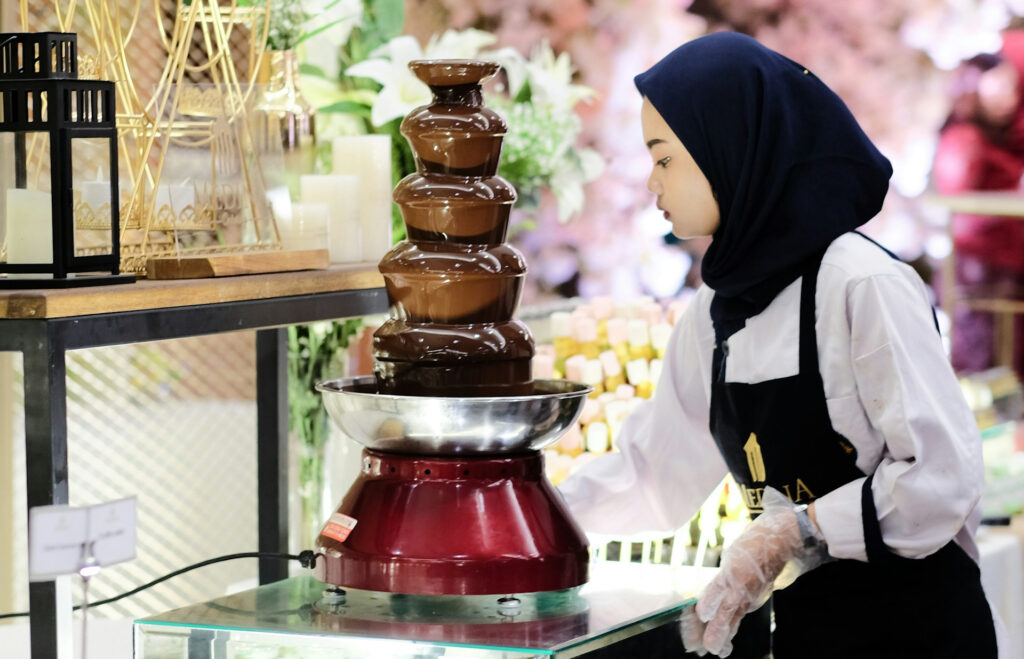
[{"x": 890, "y": 391}]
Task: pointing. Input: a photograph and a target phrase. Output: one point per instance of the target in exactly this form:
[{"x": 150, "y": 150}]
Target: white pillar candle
[
  {"x": 341, "y": 195},
  {"x": 280, "y": 201},
  {"x": 177, "y": 198},
  {"x": 29, "y": 228},
  {"x": 95, "y": 194},
  {"x": 369, "y": 157},
  {"x": 306, "y": 227}
]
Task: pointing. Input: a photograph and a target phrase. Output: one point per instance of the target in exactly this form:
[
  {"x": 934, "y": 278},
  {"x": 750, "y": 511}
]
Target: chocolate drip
[
  {"x": 427, "y": 284},
  {"x": 434, "y": 342},
  {"x": 455, "y": 138},
  {"x": 454, "y": 286}
]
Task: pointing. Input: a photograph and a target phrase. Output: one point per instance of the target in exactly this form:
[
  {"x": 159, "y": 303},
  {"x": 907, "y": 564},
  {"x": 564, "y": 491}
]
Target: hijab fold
[{"x": 789, "y": 165}]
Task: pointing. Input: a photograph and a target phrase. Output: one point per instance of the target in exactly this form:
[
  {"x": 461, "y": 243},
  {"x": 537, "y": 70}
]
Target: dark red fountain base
[{"x": 453, "y": 526}]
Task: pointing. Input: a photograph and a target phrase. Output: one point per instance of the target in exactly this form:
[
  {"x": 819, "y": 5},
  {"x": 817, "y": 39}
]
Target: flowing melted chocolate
[
  {"x": 454, "y": 286},
  {"x": 455, "y": 135},
  {"x": 457, "y": 209},
  {"x": 489, "y": 359},
  {"x": 397, "y": 340}
]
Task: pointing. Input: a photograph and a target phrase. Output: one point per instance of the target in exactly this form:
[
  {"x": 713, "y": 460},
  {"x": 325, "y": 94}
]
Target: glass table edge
[
  {"x": 654, "y": 619},
  {"x": 586, "y": 643},
  {"x": 141, "y": 623}
]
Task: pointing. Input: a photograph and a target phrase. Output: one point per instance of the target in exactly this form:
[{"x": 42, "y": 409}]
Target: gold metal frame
[{"x": 179, "y": 115}]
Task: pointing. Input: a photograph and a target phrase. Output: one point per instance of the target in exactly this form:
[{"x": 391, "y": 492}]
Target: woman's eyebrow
[{"x": 651, "y": 143}]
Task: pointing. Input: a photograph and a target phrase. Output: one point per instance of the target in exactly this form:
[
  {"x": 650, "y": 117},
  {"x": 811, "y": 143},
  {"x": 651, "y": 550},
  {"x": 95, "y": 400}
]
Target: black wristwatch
[{"x": 810, "y": 535}]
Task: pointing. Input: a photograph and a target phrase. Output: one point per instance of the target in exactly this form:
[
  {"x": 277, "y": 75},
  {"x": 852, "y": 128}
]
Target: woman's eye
[{"x": 664, "y": 161}]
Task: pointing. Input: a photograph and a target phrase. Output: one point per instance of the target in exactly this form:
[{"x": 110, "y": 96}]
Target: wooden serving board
[{"x": 227, "y": 265}]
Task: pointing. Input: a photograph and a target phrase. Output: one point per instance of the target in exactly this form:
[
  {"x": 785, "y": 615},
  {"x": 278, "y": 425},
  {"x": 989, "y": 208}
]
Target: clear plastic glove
[
  {"x": 692, "y": 631},
  {"x": 749, "y": 569}
]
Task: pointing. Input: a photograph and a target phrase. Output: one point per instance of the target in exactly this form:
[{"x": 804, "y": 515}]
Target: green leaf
[
  {"x": 322, "y": 28},
  {"x": 390, "y": 18},
  {"x": 305, "y": 68},
  {"x": 525, "y": 93},
  {"x": 346, "y": 107}
]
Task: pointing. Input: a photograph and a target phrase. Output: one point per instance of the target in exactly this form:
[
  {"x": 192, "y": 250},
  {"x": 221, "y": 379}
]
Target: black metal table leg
[
  {"x": 46, "y": 460},
  {"x": 272, "y": 449},
  {"x": 44, "y": 343}
]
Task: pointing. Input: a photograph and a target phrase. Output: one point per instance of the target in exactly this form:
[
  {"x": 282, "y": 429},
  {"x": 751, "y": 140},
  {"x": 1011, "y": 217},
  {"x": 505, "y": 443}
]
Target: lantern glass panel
[
  {"x": 91, "y": 195},
  {"x": 25, "y": 204}
]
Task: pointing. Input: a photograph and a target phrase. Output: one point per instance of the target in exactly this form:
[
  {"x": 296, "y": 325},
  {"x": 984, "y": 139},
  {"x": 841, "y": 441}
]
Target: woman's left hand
[{"x": 748, "y": 571}]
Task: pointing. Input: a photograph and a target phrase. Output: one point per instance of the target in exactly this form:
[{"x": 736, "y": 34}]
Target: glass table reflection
[{"x": 293, "y": 618}]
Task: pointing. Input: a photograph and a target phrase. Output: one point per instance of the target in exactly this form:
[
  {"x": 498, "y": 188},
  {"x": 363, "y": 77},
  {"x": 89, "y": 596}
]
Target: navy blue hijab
[{"x": 789, "y": 165}]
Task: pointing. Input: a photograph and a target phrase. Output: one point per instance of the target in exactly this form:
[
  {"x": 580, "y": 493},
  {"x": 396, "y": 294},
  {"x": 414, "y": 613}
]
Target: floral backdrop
[{"x": 888, "y": 60}]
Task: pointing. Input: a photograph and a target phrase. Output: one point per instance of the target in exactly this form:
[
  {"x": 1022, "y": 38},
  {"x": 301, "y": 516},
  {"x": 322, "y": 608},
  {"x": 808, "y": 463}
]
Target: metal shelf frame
[{"x": 44, "y": 343}]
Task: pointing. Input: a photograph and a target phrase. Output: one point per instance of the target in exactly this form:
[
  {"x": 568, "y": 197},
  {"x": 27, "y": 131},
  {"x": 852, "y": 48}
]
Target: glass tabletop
[{"x": 620, "y": 601}]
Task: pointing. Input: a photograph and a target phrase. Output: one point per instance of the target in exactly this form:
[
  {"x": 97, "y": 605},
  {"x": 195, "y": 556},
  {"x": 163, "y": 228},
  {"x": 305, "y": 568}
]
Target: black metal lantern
[{"x": 52, "y": 125}]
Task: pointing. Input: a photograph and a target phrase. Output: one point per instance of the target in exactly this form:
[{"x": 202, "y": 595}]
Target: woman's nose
[{"x": 654, "y": 185}]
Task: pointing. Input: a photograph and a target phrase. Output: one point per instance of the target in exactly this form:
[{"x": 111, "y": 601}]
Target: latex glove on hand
[
  {"x": 748, "y": 573},
  {"x": 692, "y": 630}
]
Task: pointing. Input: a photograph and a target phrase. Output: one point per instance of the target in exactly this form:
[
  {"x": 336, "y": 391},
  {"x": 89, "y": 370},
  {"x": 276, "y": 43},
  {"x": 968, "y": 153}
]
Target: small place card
[{"x": 63, "y": 540}]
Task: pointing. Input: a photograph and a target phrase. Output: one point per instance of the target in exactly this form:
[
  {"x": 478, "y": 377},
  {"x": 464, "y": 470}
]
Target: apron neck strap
[{"x": 808, "y": 335}]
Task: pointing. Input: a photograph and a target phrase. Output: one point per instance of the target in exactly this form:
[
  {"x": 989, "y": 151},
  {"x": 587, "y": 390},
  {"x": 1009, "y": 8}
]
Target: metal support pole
[
  {"x": 272, "y": 448},
  {"x": 46, "y": 460},
  {"x": 200, "y": 644}
]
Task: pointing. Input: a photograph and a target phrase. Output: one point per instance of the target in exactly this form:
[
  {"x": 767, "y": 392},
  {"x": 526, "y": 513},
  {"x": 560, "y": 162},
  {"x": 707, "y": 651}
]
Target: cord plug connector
[{"x": 307, "y": 558}]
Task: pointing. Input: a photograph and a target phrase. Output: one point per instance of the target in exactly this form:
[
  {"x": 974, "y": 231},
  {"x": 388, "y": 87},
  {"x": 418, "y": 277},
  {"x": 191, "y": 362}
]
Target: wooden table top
[{"x": 145, "y": 294}]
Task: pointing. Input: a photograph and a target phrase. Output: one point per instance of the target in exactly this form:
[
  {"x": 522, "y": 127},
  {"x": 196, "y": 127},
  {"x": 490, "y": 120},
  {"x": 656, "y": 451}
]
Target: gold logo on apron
[{"x": 755, "y": 461}]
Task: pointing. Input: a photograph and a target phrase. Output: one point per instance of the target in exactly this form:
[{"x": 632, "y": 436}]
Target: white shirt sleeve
[
  {"x": 666, "y": 463},
  {"x": 928, "y": 474}
]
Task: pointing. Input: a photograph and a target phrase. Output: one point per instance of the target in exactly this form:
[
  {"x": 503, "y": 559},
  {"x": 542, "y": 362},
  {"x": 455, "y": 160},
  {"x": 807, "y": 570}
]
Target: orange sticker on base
[{"x": 339, "y": 526}]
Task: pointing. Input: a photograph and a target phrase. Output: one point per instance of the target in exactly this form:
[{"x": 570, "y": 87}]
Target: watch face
[{"x": 806, "y": 526}]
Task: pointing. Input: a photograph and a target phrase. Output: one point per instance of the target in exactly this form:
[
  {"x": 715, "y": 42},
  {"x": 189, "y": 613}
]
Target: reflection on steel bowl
[{"x": 434, "y": 425}]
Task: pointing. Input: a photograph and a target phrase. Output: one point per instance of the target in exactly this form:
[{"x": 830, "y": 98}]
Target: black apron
[{"x": 779, "y": 433}]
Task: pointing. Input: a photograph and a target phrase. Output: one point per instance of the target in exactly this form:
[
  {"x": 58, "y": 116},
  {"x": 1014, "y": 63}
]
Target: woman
[{"x": 809, "y": 365}]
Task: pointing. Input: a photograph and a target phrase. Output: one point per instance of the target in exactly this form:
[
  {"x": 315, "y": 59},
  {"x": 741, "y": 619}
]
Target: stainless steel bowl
[{"x": 433, "y": 425}]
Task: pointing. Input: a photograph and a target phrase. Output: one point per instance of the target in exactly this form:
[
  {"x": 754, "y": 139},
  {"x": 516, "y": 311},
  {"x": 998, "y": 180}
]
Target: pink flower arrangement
[{"x": 869, "y": 52}]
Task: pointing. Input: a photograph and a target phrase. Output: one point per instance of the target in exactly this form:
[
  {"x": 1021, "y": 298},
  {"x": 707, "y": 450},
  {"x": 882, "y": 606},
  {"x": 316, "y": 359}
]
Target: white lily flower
[
  {"x": 551, "y": 79},
  {"x": 591, "y": 164},
  {"x": 567, "y": 184},
  {"x": 321, "y": 50},
  {"x": 514, "y": 64},
  {"x": 459, "y": 44},
  {"x": 402, "y": 90}
]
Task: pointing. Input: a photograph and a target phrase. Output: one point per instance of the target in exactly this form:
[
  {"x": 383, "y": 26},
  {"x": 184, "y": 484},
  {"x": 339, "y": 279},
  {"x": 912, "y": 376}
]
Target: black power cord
[{"x": 305, "y": 558}]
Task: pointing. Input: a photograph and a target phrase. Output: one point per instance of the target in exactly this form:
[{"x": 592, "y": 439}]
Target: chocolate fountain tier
[
  {"x": 451, "y": 283},
  {"x": 455, "y": 134},
  {"x": 444, "y": 259},
  {"x": 486, "y": 359},
  {"x": 441, "y": 73},
  {"x": 456, "y": 209}
]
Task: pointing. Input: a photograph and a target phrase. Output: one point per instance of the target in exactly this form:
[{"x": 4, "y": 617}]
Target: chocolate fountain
[{"x": 452, "y": 497}]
